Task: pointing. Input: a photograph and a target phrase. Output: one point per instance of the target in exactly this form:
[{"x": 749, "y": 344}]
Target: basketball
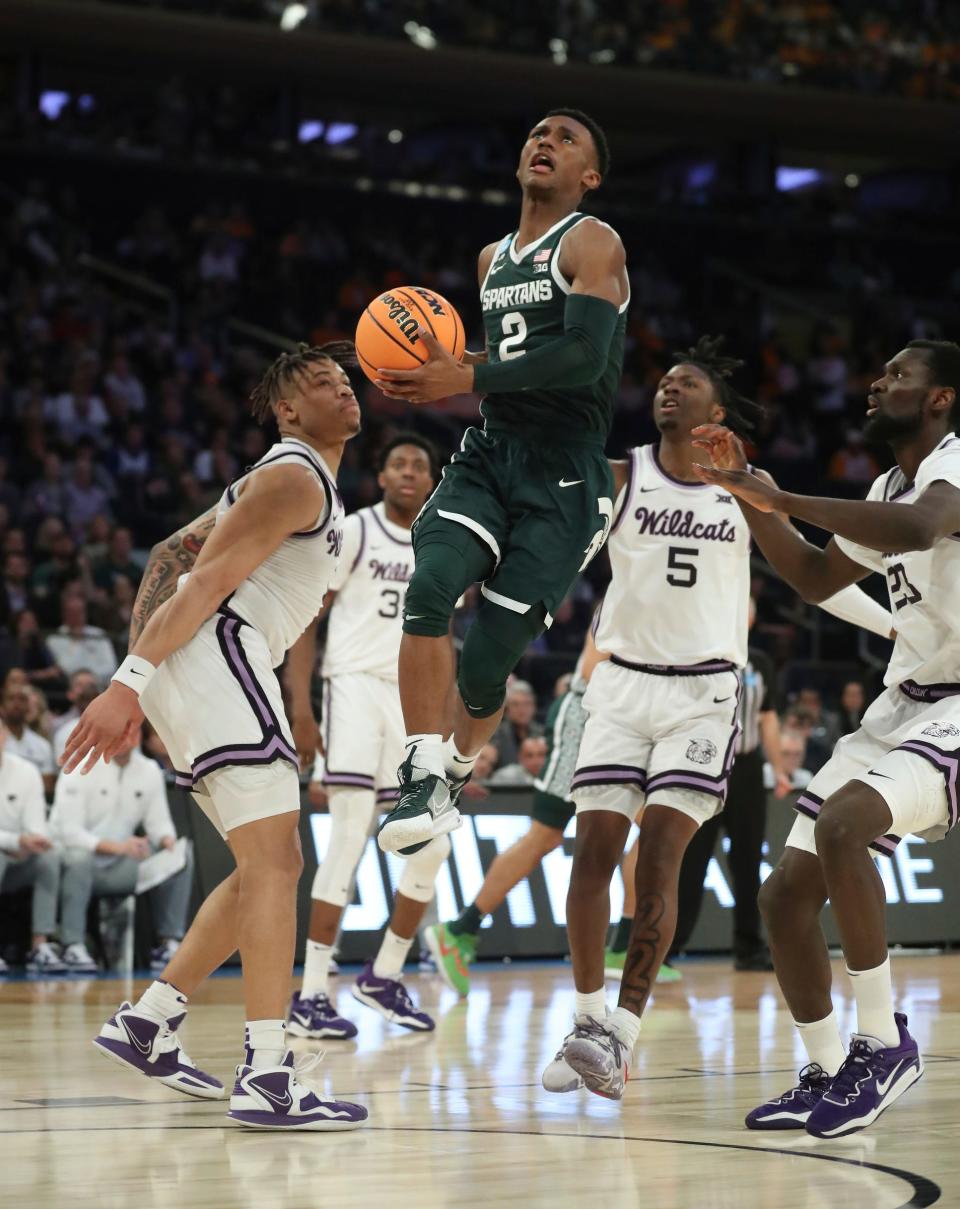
[{"x": 387, "y": 335}]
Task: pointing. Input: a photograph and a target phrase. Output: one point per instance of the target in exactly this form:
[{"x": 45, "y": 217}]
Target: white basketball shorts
[
  {"x": 653, "y": 734},
  {"x": 908, "y": 750},
  {"x": 217, "y": 707},
  {"x": 363, "y": 734}
]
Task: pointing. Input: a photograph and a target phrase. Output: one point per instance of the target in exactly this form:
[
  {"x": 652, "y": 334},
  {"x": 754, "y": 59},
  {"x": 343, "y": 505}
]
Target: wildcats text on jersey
[
  {"x": 676, "y": 522},
  {"x": 521, "y": 294}
]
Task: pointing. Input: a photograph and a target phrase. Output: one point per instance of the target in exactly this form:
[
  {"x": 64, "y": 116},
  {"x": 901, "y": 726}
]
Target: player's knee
[
  {"x": 542, "y": 840},
  {"x": 491, "y": 650},
  {"x": 420, "y": 870},
  {"x": 434, "y": 589},
  {"x": 786, "y": 893},
  {"x": 846, "y": 820}
]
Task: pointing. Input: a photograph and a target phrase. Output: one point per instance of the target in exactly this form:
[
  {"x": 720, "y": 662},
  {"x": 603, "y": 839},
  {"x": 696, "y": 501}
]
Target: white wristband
[{"x": 135, "y": 673}]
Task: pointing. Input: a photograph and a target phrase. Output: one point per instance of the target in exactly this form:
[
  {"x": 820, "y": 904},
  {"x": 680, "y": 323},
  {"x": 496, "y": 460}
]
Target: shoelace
[
  {"x": 403, "y": 997},
  {"x": 595, "y": 1031},
  {"x": 558, "y": 1056},
  {"x": 303, "y": 1064},
  {"x": 851, "y": 1071},
  {"x": 812, "y": 1077}
]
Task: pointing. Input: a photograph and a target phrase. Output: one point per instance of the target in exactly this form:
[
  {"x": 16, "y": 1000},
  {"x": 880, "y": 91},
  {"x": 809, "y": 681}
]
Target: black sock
[
  {"x": 469, "y": 920},
  {"x": 621, "y": 935}
]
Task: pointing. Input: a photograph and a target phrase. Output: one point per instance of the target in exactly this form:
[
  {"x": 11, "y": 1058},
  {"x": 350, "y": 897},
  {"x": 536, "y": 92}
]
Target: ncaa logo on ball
[{"x": 701, "y": 751}]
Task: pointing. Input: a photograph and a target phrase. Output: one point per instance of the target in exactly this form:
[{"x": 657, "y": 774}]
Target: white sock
[
  {"x": 625, "y": 1026},
  {"x": 821, "y": 1040},
  {"x": 590, "y": 1003},
  {"x": 316, "y": 969},
  {"x": 393, "y": 953},
  {"x": 160, "y": 1001},
  {"x": 455, "y": 762},
  {"x": 266, "y": 1042},
  {"x": 428, "y": 756},
  {"x": 874, "y": 996}
]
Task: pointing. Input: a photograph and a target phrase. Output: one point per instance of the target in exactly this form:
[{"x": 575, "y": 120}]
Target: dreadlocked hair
[
  {"x": 742, "y": 413},
  {"x": 289, "y": 366}
]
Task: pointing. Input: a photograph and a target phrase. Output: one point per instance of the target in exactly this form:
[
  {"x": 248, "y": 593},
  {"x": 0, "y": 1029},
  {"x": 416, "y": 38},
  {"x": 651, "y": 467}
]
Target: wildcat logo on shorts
[
  {"x": 701, "y": 751},
  {"x": 941, "y": 730}
]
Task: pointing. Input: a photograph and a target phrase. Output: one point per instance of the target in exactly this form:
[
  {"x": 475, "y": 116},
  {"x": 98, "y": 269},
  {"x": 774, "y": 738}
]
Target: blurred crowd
[{"x": 879, "y": 47}]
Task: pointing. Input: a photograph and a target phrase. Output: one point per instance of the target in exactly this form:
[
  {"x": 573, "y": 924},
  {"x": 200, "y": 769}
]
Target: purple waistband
[
  {"x": 928, "y": 692},
  {"x": 709, "y": 668}
]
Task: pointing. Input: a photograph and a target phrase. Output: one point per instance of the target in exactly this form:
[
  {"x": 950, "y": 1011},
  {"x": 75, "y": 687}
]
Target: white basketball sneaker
[
  {"x": 558, "y": 1076},
  {"x": 155, "y": 1051}
]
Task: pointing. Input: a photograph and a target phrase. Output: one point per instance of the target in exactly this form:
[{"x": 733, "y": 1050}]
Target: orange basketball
[{"x": 387, "y": 332}]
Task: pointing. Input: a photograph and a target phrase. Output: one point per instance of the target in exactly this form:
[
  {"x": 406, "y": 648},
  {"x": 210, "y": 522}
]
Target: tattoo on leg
[{"x": 643, "y": 953}]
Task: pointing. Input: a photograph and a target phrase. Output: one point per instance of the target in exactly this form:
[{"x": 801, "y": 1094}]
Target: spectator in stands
[
  {"x": 21, "y": 740},
  {"x": 853, "y": 702},
  {"x": 118, "y": 562},
  {"x": 83, "y": 497},
  {"x": 531, "y": 757},
  {"x": 81, "y": 691},
  {"x": 95, "y": 819},
  {"x": 76, "y": 645},
  {"x": 123, "y": 386},
  {"x": 519, "y": 722},
  {"x": 63, "y": 569},
  {"x": 131, "y": 459},
  {"x": 825, "y": 726},
  {"x": 27, "y": 856},
  {"x": 15, "y": 595},
  {"x": 45, "y": 496},
  {"x": 793, "y": 750},
  {"x": 853, "y": 465},
  {"x": 33, "y": 654}
]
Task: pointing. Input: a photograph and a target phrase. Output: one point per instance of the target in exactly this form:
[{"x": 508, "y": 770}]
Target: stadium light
[{"x": 292, "y": 16}]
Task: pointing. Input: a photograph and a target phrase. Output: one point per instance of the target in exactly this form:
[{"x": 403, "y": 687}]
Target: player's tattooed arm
[
  {"x": 644, "y": 953},
  {"x": 168, "y": 560}
]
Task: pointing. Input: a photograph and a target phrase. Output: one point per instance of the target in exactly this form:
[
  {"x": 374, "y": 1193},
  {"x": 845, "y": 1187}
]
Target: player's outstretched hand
[
  {"x": 749, "y": 487},
  {"x": 438, "y": 378},
  {"x": 724, "y": 447},
  {"x": 109, "y": 725}
]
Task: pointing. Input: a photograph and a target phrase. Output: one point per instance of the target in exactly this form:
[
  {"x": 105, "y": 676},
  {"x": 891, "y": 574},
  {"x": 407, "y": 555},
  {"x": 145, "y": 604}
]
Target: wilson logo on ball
[{"x": 388, "y": 335}]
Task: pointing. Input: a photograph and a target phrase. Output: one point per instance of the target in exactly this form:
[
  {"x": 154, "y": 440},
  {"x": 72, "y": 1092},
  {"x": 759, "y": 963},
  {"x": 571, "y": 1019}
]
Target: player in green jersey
[{"x": 527, "y": 501}]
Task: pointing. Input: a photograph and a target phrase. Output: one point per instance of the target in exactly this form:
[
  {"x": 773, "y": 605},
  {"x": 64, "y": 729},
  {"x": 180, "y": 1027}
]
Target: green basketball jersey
[{"x": 523, "y": 298}]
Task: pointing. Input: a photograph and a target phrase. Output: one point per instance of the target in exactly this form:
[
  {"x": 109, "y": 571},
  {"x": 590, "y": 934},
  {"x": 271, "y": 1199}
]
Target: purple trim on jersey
[
  {"x": 811, "y": 805},
  {"x": 948, "y": 763},
  {"x": 928, "y": 692},
  {"x": 227, "y": 636},
  {"x": 657, "y": 465},
  {"x": 609, "y": 774},
  {"x": 902, "y": 493},
  {"x": 363, "y": 542},
  {"x": 628, "y": 492},
  {"x": 274, "y": 747},
  {"x": 677, "y": 778},
  {"x": 388, "y": 795},
  {"x": 386, "y": 532},
  {"x": 183, "y": 779},
  {"x": 328, "y": 516},
  {"x": 349, "y": 780},
  {"x": 709, "y": 668},
  {"x": 332, "y": 776},
  {"x": 595, "y": 624}
]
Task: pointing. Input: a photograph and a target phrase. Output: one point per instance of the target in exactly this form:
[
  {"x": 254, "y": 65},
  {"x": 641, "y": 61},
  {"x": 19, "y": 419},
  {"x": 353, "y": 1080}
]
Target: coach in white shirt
[
  {"x": 94, "y": 819},
  {"x": 27, "y": 857}
]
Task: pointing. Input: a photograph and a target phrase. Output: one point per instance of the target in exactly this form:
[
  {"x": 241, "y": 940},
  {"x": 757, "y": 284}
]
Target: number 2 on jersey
[{"x": 514, "y": 334}]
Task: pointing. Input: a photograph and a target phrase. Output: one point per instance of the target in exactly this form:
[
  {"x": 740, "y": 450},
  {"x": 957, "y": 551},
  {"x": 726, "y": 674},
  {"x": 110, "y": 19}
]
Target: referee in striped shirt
[{"x": 744, "y": 817}]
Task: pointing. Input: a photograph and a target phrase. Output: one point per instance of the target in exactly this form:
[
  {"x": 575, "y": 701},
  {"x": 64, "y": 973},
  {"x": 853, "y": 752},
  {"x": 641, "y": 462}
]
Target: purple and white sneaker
[
  {"x": 315, "y": 1018},
  {"x": 599, "y": 1057},
  {"x": 391, "y": 1000},
  {"x": 272, "y": 1097},
  {"x": 869, "y": 1081},
  {"x": 793, "y": 1108},
  {"x": 155, "y": 1051}
]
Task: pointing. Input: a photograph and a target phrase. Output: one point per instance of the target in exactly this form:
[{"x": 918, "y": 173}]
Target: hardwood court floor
[{"x": 458, "y": 1117}]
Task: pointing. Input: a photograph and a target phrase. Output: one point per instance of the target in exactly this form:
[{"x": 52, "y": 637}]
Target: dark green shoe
[{"x": 423, "y": 812}]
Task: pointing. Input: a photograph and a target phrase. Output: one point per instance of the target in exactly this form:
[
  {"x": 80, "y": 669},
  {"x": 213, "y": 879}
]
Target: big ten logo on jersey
[
  {"x": 335, "y": 542},
  {"x": 541, "y": 262}
]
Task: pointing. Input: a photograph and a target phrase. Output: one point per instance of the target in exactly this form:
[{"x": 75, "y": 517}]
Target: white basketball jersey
[
  {"x": 924, "y": 585},
  {"x": 284, "y": 594},
  {"x": 366, "y": 618},
  {"x": 680, "y": 555}
]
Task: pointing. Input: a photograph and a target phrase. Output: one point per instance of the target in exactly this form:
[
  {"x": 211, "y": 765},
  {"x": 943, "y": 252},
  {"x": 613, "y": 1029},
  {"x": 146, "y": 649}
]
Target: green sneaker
[
  {"x": 613, "y": 968},
  {"x": 423, "y": 812},
  {"x": 452, "y": 954}
]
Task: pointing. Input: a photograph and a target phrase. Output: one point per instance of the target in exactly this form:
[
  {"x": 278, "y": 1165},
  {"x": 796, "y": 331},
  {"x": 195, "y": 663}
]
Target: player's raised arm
[
  {"x": 277, "y": 502},
  {"x": 813, "y": 573}
]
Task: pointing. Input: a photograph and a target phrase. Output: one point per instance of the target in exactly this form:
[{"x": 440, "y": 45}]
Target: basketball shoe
[
  {"x": 613, "y": 968},
  {"x": 155, "y": 1051},
  {"x": 76, "y": 960},
  {"x": 273, "y": 1097},
  {"x": 423, "y": 811},
  {"x": 45, "y": 959},
  {"x": 558, "y": 1075},
  {"x": 453, "y": 954},
  {"x": 599, "y": 1057},
  {"x": 871, "y": 1079},
  {"x": 391, "y": 999},
  {"x": 315, "y": 1018},
  {"x": 793, "y": 1108}
]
